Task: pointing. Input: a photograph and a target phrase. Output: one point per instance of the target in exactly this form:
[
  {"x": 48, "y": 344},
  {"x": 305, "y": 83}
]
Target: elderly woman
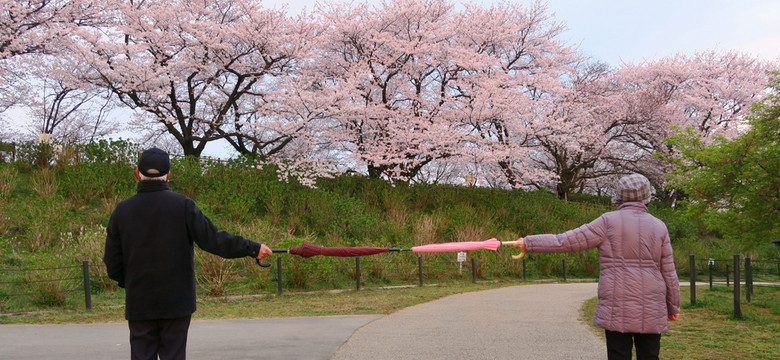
[{"x": 638, "y": 286}]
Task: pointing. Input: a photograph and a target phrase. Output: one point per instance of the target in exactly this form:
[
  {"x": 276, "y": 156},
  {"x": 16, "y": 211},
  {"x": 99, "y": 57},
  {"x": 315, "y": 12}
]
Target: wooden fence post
[
  {"x": 357, "y": 272},
  {"x": 87, "y": 291},
  {"x": 278, "y": 275},
  {"x": 524, "y": 269},
  {"x": 728, "y": 273},
  {"x": 473, "y": 271},
  {"x": 564, "y": 269},
  {"x": 737, "y": 308},
  {"x": 419, "y": 269},
  {"x": 692, "y": 266},
  {"x": 748, "y": 279}
]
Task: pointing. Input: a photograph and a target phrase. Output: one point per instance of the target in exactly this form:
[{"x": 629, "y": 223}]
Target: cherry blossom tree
[
  {"x": 411, "y": 90},
  {"x": 31, "y": 26},
  {"x": 192, "y": 67},
  {"x": 709, "y": 92},
  {"x": 422, "y": 81},
  {"x": 610, "y": 122},
  {"x": 35, "y": 27},
  {"x": 572, "y": 141},
  {"x": 68, "y": 113},
  {"x": 294, "y": 119},
  {"x": 505, "y": 99},
  {"x": 391, "y": 66}
]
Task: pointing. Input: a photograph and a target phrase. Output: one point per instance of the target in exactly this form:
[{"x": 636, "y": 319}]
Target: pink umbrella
[{"x": 491, "y": 244}]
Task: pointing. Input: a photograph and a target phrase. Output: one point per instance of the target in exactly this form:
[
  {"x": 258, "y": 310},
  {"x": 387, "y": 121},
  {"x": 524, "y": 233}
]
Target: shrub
[
  {"x": 355, "y": 221},
  {"x": 44, "y": 183},
  {"x": 427, "y": 229},
  {"x": 35, "y": 155},
  {"x": 50, "y": 293},
  {"x": 8, "y": 180},
  {"x": 187, "y": 176},
  {"x": 89, "y": 245},
  {"x": 234, "y": 190},
  {"x": 101, "y": 170},
  {"x": 50, "y": 282},
  {"x": 7, "y": 152},
  {"x": 680, "y": 227},
  {"x": 45, "y": 221},
  {"x": 214, "y": 272}
]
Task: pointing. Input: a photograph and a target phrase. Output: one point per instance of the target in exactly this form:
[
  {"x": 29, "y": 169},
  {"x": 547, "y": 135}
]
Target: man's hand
[
  {"x": 674, "y": 317},
  {"x": 265, "y": 252}
]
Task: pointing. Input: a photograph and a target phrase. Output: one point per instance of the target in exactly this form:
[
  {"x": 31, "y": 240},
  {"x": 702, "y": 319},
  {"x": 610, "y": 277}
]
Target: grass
[
  {"x": 289, "y": 304},
  {"x": 708, "y": 330}
]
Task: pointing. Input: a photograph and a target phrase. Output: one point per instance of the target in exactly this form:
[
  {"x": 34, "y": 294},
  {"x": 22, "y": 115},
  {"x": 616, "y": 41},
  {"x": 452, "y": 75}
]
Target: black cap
[{"x": 154, "y": 159}]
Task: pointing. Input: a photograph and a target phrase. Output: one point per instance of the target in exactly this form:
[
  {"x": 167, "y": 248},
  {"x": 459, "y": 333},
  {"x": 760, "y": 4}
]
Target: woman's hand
[{"x": 520, "y": 244}]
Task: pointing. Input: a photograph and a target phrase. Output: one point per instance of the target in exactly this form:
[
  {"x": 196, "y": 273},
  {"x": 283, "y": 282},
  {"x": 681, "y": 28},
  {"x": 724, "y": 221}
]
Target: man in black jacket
[{"x": 149, "y": 252}]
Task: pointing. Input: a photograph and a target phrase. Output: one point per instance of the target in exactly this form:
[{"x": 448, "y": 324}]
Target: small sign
[
  {"x": 469, "y": 180},
  {"x": 711, "y": 262},
  {"x": 44, "y": 138},
  {"x": 462, "y": 256}
]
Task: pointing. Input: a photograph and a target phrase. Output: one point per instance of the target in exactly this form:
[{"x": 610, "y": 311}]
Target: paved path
[
  {"x": 519, "y": 322},
  {"x": 308, "y": 338}
]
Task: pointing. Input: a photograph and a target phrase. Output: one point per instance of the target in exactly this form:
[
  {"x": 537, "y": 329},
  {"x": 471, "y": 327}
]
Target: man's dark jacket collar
[{"x": 152, "y": 185}]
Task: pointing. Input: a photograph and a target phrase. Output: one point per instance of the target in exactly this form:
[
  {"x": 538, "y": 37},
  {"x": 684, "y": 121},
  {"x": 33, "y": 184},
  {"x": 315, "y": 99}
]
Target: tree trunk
[
  {"x": 375, "y": 172},
  {"x": 511, "y": 178}
]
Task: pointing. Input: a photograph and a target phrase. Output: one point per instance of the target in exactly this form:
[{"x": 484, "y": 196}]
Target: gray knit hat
[{"x": 633, "y": 187}]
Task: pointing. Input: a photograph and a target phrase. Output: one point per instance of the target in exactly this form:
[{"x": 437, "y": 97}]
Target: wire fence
[
  {"x": 422, "y": 269},
  {"x": 52, "y": 284},
  {"x": 721, "y": 271},
  {"x": 67, "y": 280},
  {"x": 734, "y": 272},
  {"x": 46, "y": 286}
]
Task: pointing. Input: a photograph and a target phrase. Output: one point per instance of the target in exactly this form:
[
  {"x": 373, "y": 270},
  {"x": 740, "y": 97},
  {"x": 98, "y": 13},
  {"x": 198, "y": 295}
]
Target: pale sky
[{"x": 614, "y": 31}]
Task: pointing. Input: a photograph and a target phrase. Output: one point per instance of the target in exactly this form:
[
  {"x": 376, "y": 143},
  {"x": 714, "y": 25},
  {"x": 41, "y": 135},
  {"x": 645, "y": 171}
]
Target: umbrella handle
[
  {"x": 275, "y": 251},
  {"x": 262, "y": 264},
  {"x": 518, "y": 256}
]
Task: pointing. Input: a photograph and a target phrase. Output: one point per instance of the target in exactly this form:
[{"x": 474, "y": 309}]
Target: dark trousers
[
  {"x": 619, "y": 345},
  {"x": 167, "y": 338}
]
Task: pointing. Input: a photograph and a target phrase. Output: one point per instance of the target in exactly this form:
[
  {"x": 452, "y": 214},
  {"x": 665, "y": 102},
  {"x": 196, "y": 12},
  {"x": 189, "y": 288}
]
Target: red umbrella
[
  {"x": 308, "y": 250},
  {"x": 491, "y": 244}
]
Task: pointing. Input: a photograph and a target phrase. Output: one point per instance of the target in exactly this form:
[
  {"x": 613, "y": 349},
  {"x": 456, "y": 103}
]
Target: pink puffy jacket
[{"x": 638, "y": 285}]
